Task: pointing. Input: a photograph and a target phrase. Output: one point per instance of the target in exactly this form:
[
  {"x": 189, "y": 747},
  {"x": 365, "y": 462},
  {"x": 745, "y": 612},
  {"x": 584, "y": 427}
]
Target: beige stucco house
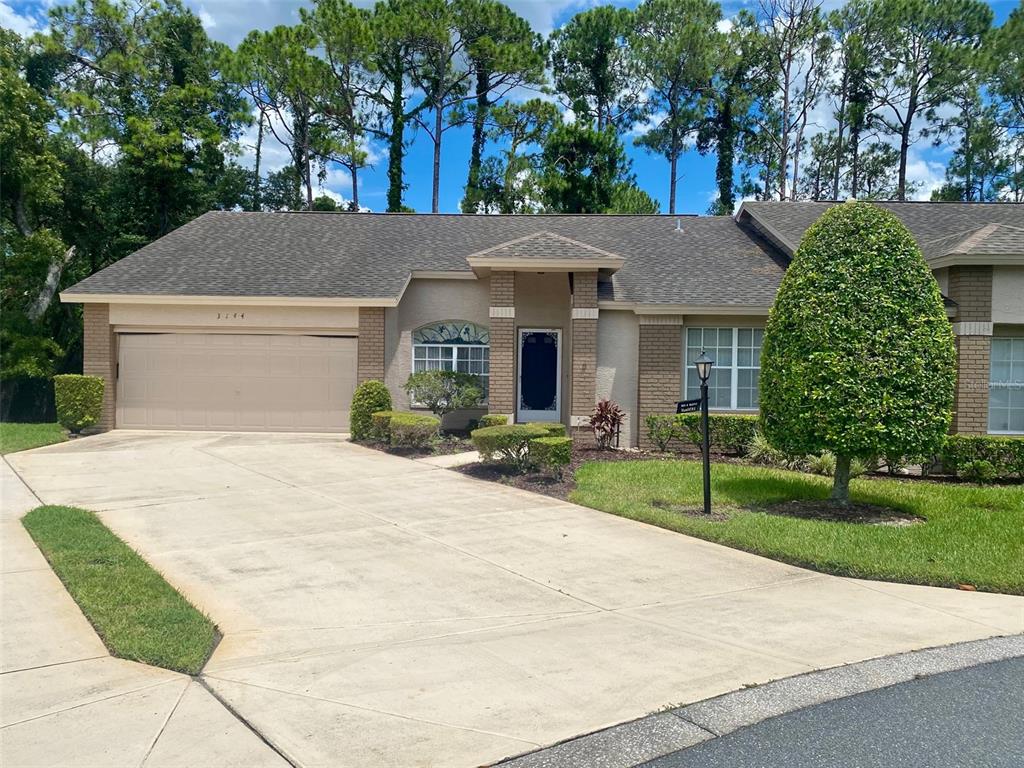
[{"x": 267, "y": 321}]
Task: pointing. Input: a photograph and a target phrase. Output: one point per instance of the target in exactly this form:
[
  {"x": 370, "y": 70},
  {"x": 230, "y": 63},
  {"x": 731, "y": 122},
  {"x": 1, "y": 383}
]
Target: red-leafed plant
[{"x": 606, "y": 421}]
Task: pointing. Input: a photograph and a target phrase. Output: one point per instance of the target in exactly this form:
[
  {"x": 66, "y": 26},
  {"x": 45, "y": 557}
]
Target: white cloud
[
  {"x": 206, "y": 19},
  {"x": 22, "y": 23},
  {"x": 724, "y": 26}
]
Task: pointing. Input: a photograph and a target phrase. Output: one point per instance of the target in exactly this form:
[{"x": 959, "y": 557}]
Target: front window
[
  {"x": 1006, "y": 386},
  {"x": 733, "y": 383},
  {"x": 454, "y": 345}
]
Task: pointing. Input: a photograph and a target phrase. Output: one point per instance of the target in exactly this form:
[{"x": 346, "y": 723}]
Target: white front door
[{"x": 540, "y": 375}]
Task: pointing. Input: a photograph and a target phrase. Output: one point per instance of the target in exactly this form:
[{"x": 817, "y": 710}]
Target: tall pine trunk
[
  {"x": 471, "y": 198},
  {"x": 436, "y": 191},
  {"x": 724, "y": 139},
  {"x": 396, "y": 146},
  {"x": 257, "y": 204}
]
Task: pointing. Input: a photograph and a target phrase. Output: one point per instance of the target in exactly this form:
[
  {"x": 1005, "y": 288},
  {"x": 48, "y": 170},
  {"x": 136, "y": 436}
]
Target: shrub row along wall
[{"x": 733, "y": 433}]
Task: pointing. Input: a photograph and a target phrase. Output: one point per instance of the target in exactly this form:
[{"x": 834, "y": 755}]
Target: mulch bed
[
  {"x": 822, "y": 509},
  {"x": 540, "y": 482},
  {"x": 448, "y": 444}
]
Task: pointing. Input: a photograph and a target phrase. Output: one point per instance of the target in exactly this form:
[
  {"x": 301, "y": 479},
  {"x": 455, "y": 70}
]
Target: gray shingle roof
[
  {"x": 939, "y": 228},
  {"x": 707, "y": 261}
]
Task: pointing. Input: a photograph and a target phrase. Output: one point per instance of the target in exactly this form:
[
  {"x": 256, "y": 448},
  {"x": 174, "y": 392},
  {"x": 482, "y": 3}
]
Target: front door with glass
[{"x": 540, "y": 374}]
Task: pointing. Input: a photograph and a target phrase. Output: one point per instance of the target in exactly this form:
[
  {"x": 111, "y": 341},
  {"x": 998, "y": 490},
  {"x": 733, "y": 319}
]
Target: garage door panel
[{"x": 235, "y": 382}]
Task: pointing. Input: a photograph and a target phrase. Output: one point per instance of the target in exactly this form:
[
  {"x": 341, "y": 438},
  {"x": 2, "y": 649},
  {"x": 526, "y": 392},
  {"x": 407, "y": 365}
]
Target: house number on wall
[{"x": 231, "y": 315}]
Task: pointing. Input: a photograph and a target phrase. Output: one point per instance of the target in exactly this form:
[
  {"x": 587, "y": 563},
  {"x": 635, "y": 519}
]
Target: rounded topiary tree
[
  {"x": 858, "y": 354},
  {"x": 369, "y": 398}
]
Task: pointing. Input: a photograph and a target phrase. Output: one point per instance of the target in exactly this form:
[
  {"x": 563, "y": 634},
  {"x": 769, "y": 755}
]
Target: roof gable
[{"x": 948, "y": 233}]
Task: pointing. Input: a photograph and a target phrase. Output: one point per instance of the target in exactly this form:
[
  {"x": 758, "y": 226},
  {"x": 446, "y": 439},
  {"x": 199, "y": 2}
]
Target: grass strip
[
  {"x": 21, "y": 437},
  {"x": 970, "y": 535},
  {"x": 137, "y": 614}
]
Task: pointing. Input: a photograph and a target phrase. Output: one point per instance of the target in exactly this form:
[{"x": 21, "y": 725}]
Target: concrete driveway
[{"x": 381, "y": 611}]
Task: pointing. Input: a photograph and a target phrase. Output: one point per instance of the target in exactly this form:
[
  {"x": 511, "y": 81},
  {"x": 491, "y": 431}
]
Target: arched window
[{"x": 453, "y": 345}]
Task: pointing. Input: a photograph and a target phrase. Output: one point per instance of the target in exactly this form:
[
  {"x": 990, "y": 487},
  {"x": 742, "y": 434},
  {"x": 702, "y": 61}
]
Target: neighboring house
[{"x": 267, "y": 321}]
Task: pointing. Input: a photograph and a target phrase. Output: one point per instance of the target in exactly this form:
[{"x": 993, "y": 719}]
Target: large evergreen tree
[{"x": 858, "y": 354}]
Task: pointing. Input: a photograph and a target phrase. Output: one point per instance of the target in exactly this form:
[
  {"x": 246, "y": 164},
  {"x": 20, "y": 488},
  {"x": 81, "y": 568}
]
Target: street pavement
[{"x": 970, "y": 718}]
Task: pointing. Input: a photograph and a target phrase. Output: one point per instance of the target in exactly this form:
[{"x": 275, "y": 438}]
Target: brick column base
[
  {"x": 100, "y": 358},
  {"x": 370, "y": 363},
  {"x": 660, "y": 364},
  {"x": 970, "y": 407},
  {"x": 502, "y": 395}
]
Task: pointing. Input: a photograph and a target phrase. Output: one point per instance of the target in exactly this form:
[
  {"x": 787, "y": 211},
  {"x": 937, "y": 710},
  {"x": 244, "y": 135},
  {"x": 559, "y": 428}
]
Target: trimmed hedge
[
  {"x": 1004, "y": 454},
  {"x": 661, "y": 429},
  {"x": 729, "y": 432},
  {"x": 381, "y": 425},
  {"x": 79, "y": 400},
  {"x": 413, "y": 430},
  {"x": 551, "y": 453},
  {"x": 509, "y": 444},
  {"x": 493, "y": 420},
  {"x": 553, "y": 428},
  {"x": 369, "y": 398}
]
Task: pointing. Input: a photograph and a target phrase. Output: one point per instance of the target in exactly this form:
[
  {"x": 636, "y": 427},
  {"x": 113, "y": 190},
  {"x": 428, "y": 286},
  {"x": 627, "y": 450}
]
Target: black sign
[{"x": 688, "y": 406}]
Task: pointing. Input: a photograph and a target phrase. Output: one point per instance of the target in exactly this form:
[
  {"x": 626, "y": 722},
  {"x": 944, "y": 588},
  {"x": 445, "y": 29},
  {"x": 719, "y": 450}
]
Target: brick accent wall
[
  {"x": 971, "y": 288},
  {"x": 502, "y": 395},
  {"x": 970, "y": 408},
  {"x": 370, "y": 364},
  {"x": 584, "y": 352},
  {"x": 100, "y": 357},
  {"x": 660, "y": 364}
]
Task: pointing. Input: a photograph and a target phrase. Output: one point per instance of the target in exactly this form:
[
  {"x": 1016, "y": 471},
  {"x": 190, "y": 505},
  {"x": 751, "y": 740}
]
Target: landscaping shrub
[
  {"x": 858, "y": 354},
  {"x": 729, "y": 432},
  {"x": 978, "y": 471},
  {"x": 380, "y": 428},
  {"x": 554, "y": 428},
  {"x": 442, "y": 392},
  {"x": 508, "y": 444},
  {"x": 1004, "y": 454},
  {"x": 413, "y": 430},
  {"x": 493, "y": 420},
  {"x": 79, "y": 400},
  {"x": 661, "y": 429},
  {"x": 552, "y": 454},
  {"x": 606, "y": 421},
  {"x": 369, "y": 398},
  {"x": 824, "y": 463},
  {"x": 760, "y": 451}
]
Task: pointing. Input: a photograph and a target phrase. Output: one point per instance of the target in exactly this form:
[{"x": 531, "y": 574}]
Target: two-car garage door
[{"x": 242, "y": 382}]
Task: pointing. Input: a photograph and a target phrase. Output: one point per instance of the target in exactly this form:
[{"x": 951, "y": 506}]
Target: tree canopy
[{"x": 858, "y": 354}]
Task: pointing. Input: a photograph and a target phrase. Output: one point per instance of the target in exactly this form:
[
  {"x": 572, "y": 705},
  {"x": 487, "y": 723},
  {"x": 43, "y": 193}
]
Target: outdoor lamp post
[{"x": 703, "y": 365}]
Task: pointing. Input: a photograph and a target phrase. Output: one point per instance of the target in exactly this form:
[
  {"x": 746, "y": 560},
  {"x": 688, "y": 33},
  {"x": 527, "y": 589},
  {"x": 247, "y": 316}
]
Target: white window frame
[
  {"x": 1002, "y": 385},
  {"x": 735, "y": 368},
  {"x": 453, "y": 358}
]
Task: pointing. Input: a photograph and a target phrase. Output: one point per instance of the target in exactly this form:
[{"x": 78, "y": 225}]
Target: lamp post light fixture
[{"x": 703, "y": 364}]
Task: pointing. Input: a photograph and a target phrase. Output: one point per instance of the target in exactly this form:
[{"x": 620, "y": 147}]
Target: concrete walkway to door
[{"x": 385, "y": 612}]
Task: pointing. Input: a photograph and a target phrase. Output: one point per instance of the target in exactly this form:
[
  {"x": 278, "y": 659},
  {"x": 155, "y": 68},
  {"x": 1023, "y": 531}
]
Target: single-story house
[{"x": 267, "y": 321}]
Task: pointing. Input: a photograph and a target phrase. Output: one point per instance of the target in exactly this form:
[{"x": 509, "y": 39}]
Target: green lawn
[
  {"x": 138, "y": 615},
  {"x": 971, "y": 535},
  {"x": 21, "y": 437}
]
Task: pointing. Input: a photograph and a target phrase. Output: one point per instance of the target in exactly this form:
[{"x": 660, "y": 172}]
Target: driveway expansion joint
[{"x": 638, "y": 741}]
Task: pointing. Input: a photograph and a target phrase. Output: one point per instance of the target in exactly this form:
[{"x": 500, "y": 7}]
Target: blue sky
[{"x": 230, "y": 20}]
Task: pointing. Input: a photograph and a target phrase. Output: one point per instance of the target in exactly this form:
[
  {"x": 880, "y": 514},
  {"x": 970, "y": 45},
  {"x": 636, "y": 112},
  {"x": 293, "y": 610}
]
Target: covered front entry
[
  {"x": 245, "y": 382},
  {"x": 540, "y": 374}
]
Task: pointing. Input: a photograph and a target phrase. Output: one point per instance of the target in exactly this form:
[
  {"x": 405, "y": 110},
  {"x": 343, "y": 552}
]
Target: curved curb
[{"x": 628, "y": 744}]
